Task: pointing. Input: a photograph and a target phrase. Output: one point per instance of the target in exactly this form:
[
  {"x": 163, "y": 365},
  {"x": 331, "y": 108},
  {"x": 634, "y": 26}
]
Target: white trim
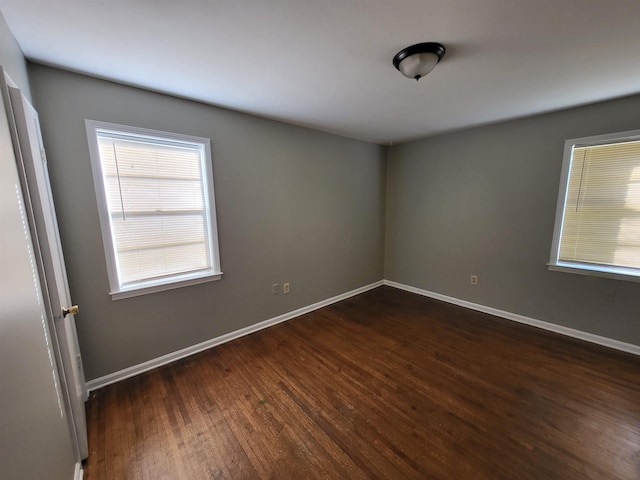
[
  {"x": 616, "y": 273},
  {"x": 567, "y": 157},
  {"x": 114, "y": 377},
  {"x": 629, "y": 135},
  {"x": 118, "y": 291},
  {"x": 570, "y": 332},
  {"x": 227, "y": 337},
  {"x": 78, "y": 474},
  {"x": 161, "y": 287}
]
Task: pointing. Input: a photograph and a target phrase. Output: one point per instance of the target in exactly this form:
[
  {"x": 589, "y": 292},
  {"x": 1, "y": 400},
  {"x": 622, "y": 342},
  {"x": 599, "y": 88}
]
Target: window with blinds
[
  {"x": 155, "y": 195},
  {"x": 598, "y": 221}
]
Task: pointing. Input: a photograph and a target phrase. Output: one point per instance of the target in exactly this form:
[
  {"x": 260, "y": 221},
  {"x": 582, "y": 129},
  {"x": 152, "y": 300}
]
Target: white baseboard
[
  {"x": 185, "y": 352},
  {"x": 570, "y": 332},
  {"x": 78, "y": 473}
]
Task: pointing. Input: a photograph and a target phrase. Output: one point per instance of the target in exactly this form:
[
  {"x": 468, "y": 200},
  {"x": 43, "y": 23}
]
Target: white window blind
[
  {"x": 600, "y": 222},
  {"x": 160, "y": 220}
]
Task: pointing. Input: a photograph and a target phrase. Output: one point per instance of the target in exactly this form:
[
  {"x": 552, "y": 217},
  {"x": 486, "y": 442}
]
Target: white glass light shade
[{"x": 418, "y": 64}]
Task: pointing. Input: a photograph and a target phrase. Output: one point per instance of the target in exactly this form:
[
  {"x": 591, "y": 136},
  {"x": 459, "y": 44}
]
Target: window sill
[
  {"x": 615, "y": 273},
  {"x": 145, "y": 290}
]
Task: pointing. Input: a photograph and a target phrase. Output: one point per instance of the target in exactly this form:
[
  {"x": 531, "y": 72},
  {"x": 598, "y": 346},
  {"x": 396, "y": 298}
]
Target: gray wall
[
  {"x": 483, "y": 201},
  {"x": 34, "y": 439},
  {"x": 293, "y": 205},
  {"x": 12, "y": 59}
]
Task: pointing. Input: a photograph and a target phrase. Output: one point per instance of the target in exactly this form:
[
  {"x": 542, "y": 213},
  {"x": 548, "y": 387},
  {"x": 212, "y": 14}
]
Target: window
[
  {"x": 597, "y": 229},
  {"x": 155, "y": 199}
]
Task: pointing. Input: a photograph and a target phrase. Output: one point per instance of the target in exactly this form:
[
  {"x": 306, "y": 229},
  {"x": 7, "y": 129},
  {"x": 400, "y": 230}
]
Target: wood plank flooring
[{"x": 385, "y": 385}]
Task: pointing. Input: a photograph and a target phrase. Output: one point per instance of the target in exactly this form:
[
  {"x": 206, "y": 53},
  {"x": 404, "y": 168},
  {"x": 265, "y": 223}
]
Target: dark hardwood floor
[{"x": 385, "y": 385}]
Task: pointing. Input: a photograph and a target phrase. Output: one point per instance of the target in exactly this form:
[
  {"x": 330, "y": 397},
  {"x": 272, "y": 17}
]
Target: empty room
[{"x": 299, "y": 239}]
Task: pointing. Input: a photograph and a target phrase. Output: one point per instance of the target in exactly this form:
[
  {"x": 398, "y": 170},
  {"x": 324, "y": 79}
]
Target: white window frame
[
  {"x": 606, "y": 271},
  {"x": 117, "y": 290}
]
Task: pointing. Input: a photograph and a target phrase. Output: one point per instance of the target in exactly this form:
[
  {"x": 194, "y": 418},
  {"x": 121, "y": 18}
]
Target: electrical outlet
[
  {"x": 286, "y": 287},
  {"x": 274, "y": 289},
  {"x": 474, "y": 279}
]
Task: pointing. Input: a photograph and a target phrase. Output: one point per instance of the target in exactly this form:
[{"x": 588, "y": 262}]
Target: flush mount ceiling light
[{"x": 418, "y": 60}]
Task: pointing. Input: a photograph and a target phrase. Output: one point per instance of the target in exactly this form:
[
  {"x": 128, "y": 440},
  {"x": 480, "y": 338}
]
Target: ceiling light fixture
[{"x": 418, "y": 60}]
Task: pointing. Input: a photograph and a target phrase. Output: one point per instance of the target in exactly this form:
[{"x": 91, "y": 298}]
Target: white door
[
  {"x": 34, "y": 439},
  {"x": 34, "y": 163}
]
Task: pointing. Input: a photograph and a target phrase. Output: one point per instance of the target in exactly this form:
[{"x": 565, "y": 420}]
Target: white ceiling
[{"x": 326, "y": 64}]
